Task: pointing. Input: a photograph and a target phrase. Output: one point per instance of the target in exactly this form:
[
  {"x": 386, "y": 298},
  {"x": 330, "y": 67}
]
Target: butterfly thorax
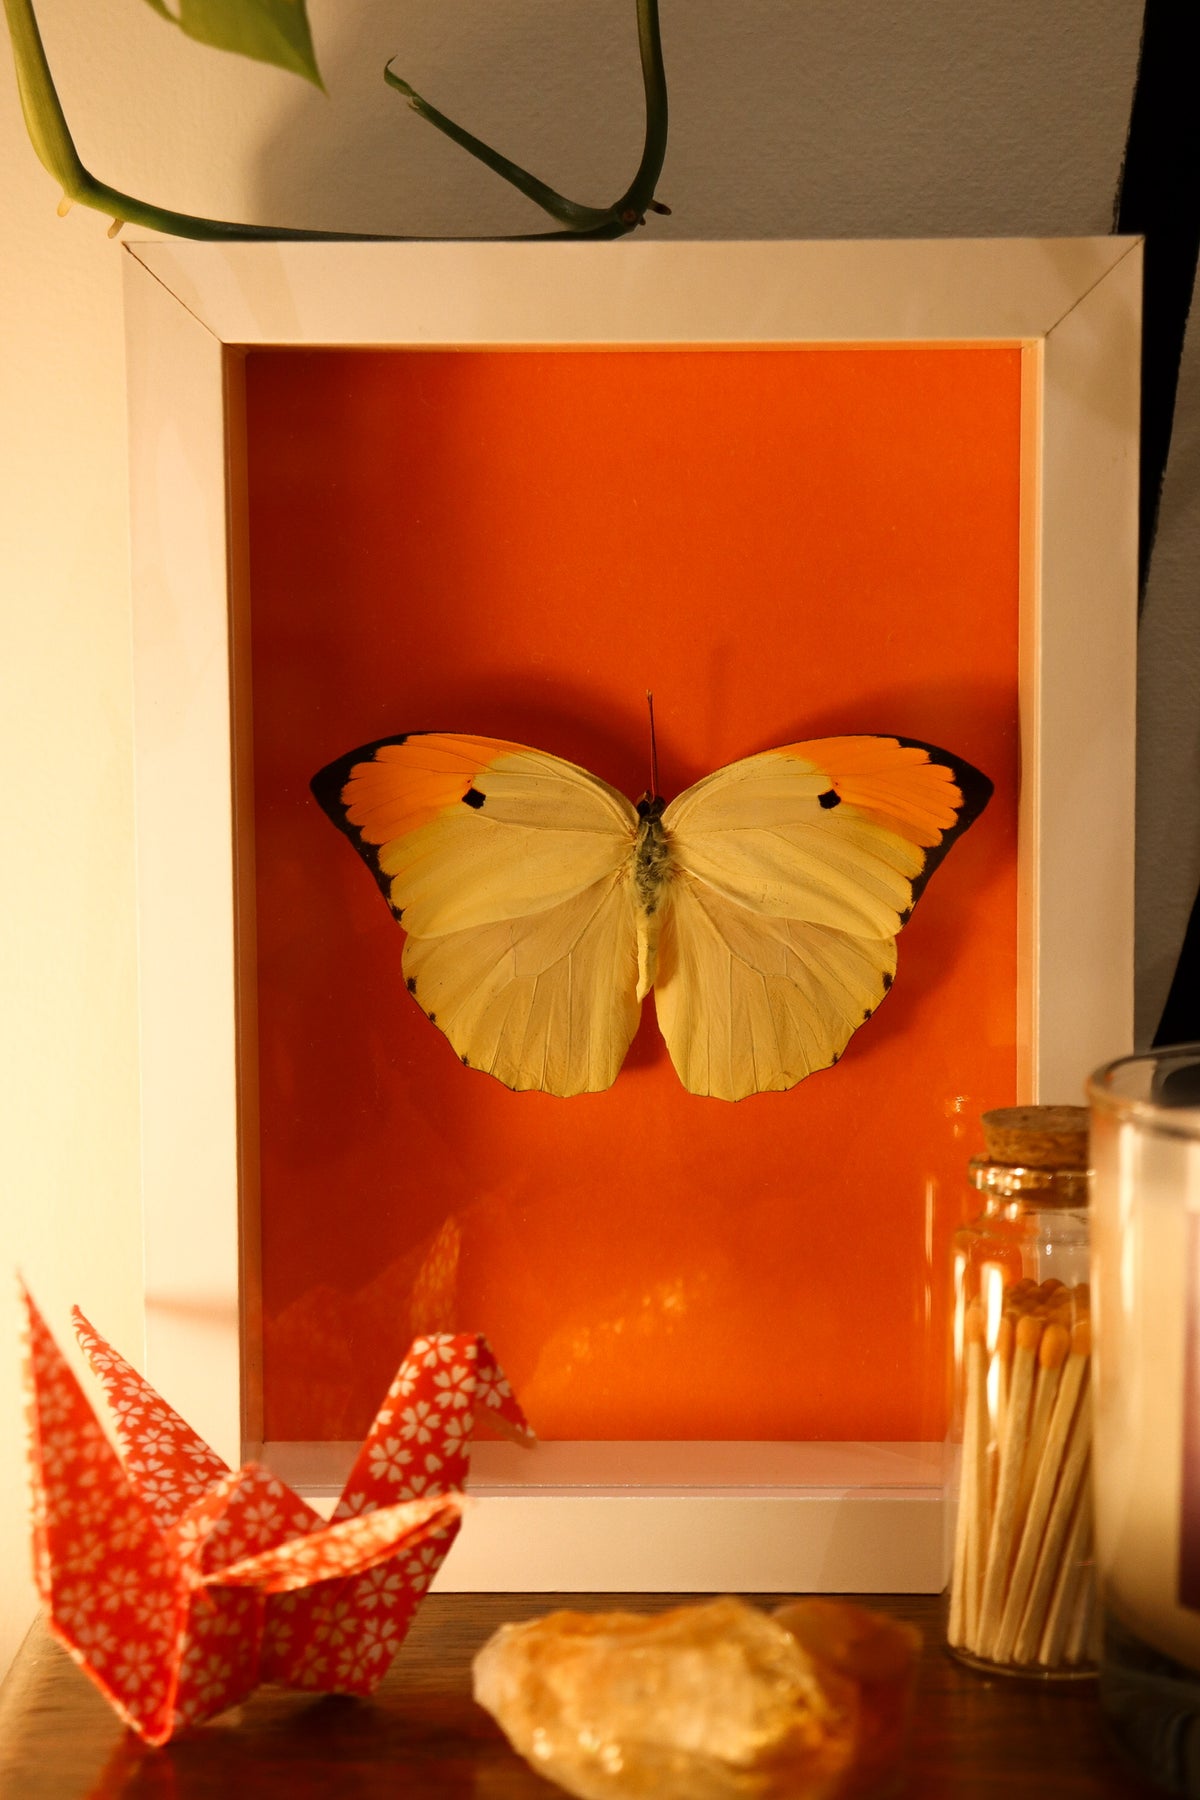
[{"x": 651, "y": 873}]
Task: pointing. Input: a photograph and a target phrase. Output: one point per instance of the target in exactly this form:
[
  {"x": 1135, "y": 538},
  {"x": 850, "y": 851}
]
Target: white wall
[{"x": 788, "y": 121}]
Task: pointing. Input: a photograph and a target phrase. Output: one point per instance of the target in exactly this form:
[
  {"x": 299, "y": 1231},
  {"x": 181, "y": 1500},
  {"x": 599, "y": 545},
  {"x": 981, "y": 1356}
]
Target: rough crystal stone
[{"x": 713, "y": 1702}]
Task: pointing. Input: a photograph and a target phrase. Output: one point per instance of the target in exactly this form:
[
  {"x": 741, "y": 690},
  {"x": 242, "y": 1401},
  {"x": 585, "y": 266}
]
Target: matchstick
[
  {"x": 1001, "y": 1359},
  {"x": 1055, "y": 1455},
  {"x": 972, "y": 1499},
  {"x": 1019, "y": 1298},
  {"x": 1068, "y": 1600},
  {"x": 1052, "y": 1354},
  {"x": 1028, "y": 1336},
  {"x": 1051, "y": 1555}
]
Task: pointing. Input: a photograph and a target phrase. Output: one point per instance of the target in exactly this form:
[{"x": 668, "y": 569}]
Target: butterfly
[{"x": 541, "y": 906}]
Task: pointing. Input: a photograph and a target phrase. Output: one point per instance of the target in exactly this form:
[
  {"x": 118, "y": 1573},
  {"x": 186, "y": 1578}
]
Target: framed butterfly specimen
[
  {"x": 810, "y": 494},
  {"x": 541, "y": 907}
]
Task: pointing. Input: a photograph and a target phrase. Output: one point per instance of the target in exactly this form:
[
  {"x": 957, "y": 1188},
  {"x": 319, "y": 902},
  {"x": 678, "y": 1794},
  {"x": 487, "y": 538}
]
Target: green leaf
[{"x": 271, "y": 31}]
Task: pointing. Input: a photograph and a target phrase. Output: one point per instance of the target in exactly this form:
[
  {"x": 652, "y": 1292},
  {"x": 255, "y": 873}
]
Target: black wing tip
[
  {"x": 327, "y": 787},
  {"x": 975, "y": 787},
  {"x": 327, "y": 784}
]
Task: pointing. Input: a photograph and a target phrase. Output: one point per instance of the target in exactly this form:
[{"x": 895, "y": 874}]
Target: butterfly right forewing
[{"x": 793, "y": 871}]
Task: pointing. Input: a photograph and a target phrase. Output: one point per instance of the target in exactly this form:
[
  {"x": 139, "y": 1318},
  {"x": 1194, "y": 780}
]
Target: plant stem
[
  {"x": 606, "y": 221},
  {"x": 51, "y": 139},
  {"x": 639, "y": 195}
]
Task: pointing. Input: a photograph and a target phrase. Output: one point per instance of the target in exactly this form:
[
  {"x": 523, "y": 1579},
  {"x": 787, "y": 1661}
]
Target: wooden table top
[{"x": 422, "y": 1735}]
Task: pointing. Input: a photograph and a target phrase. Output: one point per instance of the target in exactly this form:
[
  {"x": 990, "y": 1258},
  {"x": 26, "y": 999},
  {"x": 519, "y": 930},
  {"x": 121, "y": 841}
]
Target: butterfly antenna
[{"x": 653, "y": 749}]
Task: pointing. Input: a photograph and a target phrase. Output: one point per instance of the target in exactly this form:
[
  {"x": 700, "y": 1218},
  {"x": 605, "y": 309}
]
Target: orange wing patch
[
  {"x": 407, "y": 784},
  {"x": 892, "y": 783}
]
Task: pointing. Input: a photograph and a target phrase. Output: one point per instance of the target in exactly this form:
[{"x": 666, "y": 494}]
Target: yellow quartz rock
[{"x": 714, "y": 1702}]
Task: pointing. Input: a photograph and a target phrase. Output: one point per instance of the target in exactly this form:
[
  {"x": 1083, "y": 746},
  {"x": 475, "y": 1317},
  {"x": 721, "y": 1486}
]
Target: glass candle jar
[
  {"x": 1021, "y": 1596},
  {"x": 1146, "y": 1153}
]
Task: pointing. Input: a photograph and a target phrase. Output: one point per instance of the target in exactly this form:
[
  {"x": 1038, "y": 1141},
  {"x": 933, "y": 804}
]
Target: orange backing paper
[{"x": 782, "y": 543}]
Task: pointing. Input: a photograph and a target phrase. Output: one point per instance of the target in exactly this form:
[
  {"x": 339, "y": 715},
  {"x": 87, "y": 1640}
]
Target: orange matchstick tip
[
  {"x": 1056, "y": 1341},
  {"x": 1029, "y": 1331}
]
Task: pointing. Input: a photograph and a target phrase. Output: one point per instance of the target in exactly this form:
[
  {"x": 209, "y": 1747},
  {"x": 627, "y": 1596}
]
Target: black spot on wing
[
  {"x": 888, "y": 979},
  {"x": 410, "y": 984},
  {"x": 473, "y": 798},
  {"x": 829, "y": 798}
]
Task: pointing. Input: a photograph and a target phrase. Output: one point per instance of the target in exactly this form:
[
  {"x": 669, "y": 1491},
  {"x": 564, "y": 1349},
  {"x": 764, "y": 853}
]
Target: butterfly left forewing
[
  {"x": 463, "y": 831},
  {"x": 793, "y": 872},
  {"x": 510, "y": 871}
]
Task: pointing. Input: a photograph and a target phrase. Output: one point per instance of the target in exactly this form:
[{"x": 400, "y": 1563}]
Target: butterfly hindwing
[
  {"x": 510, "y": 871},
  {"x": 546, "y": 1000},
  {"x": 795, "y": 870},
  {"x": 751, "y": 1003}
]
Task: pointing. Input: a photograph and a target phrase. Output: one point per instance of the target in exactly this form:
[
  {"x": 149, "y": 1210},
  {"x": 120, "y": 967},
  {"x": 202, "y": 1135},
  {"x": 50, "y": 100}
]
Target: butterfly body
[
  {"x": 541, "y": 906},
  {"x": 651, "y": 876}
]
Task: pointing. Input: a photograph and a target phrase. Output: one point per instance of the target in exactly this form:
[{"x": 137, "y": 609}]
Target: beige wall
[{"x": 813, "y": 121}]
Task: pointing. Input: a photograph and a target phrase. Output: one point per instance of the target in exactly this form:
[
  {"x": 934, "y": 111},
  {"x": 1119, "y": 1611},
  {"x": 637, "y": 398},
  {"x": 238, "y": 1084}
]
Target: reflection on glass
[{"x": 1146, "y": 1153}]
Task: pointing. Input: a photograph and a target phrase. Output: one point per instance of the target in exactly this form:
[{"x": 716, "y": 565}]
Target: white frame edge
[{"x": 1074, "y": 307}]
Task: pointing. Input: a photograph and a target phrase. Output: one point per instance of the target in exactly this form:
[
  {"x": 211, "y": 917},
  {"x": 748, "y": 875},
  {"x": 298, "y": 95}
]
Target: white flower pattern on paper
[
  {"x": 414, "y": 1422},
  {"x": 388, "y": 1460},
  {"x": 381, "y": 1586},
  {"x": 120, "y": 1587},
  {"x": 74, "y": 1604},
  {"x": 452, "y": 1385},
  {"x": 135, "y": 1666},
  {"x": 179, "y": 1584},
  {"x": 458, "y": 1431}
]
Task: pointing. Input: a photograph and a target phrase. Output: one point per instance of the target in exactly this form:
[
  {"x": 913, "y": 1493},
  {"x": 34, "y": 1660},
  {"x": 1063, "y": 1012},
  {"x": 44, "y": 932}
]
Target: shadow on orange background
[{"x": 782, "y": 544}]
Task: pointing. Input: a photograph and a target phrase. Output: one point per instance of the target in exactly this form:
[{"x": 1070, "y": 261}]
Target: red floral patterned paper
[{"x": 178, "y": 1584}]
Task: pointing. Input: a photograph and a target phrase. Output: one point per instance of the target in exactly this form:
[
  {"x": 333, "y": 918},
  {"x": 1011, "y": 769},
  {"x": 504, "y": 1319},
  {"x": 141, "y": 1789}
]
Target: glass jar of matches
[{"x": 1021, "y": 1597}]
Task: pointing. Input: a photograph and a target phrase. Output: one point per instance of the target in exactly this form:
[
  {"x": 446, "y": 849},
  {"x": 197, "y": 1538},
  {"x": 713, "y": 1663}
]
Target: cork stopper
[{"x": 1038, "y": 1137}]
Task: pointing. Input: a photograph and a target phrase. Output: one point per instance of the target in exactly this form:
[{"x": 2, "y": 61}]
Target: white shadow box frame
[{"x": 688, "y": 1516}]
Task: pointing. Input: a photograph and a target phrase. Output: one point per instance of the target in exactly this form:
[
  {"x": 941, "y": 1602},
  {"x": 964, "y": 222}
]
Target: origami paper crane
[{"x": 179, "y": 1584}]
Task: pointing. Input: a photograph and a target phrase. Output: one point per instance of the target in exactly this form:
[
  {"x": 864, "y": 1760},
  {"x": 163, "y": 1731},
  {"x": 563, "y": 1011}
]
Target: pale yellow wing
[
  {"x": 792, "y": 873},
  {"x": 510, "y": 870},
  {"x": 546, "y": 1000},
  {"x": 749, "y": 1002}
]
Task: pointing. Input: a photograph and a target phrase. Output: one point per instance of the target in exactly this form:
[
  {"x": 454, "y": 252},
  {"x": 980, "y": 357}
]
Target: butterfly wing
[
  {"x": 510, "y": 870},
  {"x": 792, "y": 873}
]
